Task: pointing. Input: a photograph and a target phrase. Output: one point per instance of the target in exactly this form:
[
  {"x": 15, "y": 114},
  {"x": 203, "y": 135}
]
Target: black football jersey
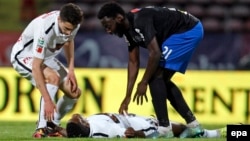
[{"x": 145, "y": 23}]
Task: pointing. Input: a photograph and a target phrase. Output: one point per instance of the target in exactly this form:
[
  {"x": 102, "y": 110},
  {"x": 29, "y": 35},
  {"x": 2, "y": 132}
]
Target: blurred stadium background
[{"x": 225, "y": 47}]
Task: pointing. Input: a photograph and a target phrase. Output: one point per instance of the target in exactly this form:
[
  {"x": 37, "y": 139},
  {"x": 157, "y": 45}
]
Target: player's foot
[
  {"x": 169, "y": 134},
  {"x": 61, "y": 131},
  {"x": 40, "y": 133},
  {"x": 54, "y": 130},
  {"x": 165, "y": 132},
  {"x": 192, "y": 132},
  {"x": 51, "y": 125},
  {"x": 222, "y": 132}
]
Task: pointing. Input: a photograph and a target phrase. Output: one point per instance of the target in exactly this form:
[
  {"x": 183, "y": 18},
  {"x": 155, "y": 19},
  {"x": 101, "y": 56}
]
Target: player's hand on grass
[{"x": 140, "y": 93}]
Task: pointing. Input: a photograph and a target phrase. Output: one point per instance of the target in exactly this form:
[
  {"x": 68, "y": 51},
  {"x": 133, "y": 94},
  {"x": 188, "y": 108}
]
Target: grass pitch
[{"x": 16, "y": 131}]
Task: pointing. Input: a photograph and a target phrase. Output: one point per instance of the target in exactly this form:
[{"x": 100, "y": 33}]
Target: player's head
[
  {"x": 77, "y": 126},
  {"x": 110, "y": 10},
  {"x": 70, "y": 16},
  {"x": 112, "y": 17}
]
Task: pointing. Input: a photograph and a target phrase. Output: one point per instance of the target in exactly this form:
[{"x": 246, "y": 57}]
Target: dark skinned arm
[
  {"x": 131, "y": 133},
  {"x": 133, "y": 68},
  {"x": 152, "y": 65}
]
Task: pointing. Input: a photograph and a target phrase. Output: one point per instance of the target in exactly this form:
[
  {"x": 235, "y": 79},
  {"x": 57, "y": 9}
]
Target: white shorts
[{"x": 24, "y": 68}]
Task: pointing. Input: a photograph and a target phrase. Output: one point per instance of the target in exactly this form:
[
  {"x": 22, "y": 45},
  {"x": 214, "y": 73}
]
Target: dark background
[{"x": 225, "y": 45}]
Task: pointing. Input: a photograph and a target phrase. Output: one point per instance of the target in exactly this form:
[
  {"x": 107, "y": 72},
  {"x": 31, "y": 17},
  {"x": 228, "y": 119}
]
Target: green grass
[{"x": 15, "y": 131}]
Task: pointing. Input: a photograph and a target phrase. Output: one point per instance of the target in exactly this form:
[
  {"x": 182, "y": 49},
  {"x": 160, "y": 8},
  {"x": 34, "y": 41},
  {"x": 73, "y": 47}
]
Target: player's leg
[
  {"x": 159, "y": 96},
  {"x": 55, "y": 74},
  {"x": 178, "y": 102},
  {"x": 194, "y": 35},
  {"x": 177, "y": 128},
  {"x": 68, "y": 100},
  {"x": 53, "y": 77},
  {"x": 52, "y": 82},
  {"x": 179, "y": 49},
  {"x": 215, "y": 133}
]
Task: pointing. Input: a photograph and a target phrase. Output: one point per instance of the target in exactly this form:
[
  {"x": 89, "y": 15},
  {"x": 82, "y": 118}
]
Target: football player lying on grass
[{"x": 111, "y": 125}]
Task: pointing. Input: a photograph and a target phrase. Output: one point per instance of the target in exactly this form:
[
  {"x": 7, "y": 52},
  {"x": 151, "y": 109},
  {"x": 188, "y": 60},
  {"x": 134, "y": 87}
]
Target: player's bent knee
[{"x": 53, "y": 79}]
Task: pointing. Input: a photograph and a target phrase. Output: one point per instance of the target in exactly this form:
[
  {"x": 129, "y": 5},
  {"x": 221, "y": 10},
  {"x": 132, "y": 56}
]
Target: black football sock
[
  {"x": 159, "y": 95},
  {"x": 178, "y": 102}
]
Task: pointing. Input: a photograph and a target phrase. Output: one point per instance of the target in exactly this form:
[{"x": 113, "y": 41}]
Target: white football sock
[
  {"x": 64, "y": 105},
  {"x": 193, "y": 124},
  {"x": 210, "y": 133},
  {"x": 164, "y": 130},
  {"x": 52, "y": 89}
]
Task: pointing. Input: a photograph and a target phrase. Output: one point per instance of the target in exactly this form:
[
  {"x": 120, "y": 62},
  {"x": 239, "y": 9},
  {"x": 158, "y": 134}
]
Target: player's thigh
[
  {"x": 54, "y": 66},
  {"x": 24, "y": 69},
  {"x": 54, "y": 71},
  {"x": 51, "y": 76},
  {"x": 178, "y": 49}
]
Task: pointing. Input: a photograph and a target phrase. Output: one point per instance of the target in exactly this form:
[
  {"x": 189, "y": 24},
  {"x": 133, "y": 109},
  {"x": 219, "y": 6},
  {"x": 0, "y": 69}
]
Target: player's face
[
  {"x": 77, "y": 118},
  {"x": 113, "y": 27},
  {"x": 65, "y": 28}
]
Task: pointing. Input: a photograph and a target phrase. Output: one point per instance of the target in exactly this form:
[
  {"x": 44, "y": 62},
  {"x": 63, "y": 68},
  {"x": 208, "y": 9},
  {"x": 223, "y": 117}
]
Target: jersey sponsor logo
[
  {"x": 39, "y": 49},
  {"x": 41, "y": 41},
  {"x": 141, "y": 36},
  {"x": 40, "y": 45},
  {"x": 26, "y": 60}
]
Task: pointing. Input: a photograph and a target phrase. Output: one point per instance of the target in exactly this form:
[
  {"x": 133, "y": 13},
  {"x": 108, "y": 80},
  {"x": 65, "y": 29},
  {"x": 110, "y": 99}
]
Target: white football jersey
[
  {"x": 148, "y": 125},
  {"x": 102, "y": 125},
  {"x": 41, "y": 39}
]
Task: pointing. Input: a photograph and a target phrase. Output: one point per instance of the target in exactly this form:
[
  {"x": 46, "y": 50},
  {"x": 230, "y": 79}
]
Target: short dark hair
[
  {"x": 71, "y": 13},
  {"x": 75, "y": 130},
  {"x": 110, "y": 9}
]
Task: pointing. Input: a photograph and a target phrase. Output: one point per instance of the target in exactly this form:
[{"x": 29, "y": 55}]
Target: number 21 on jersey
[{"x": 166, "y": 52}]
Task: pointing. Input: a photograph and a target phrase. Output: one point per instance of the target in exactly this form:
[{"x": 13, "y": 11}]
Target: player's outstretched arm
[{"x": 131, "y": 133}]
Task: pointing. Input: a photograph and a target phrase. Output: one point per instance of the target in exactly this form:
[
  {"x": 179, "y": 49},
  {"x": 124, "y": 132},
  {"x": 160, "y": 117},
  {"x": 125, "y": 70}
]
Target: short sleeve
[{"x": 40, "y": 43}]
